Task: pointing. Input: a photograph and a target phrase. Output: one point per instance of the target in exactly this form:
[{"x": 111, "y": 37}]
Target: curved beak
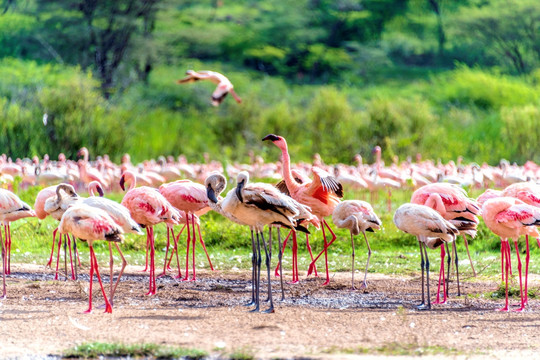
[
  {"x": 100, "y": 191},
  {"x": 122, "y": 182},
  {"x": 239, "y": 188},
  {"x": 271, "y": 137},
  {"x": 211, "y": 194}
]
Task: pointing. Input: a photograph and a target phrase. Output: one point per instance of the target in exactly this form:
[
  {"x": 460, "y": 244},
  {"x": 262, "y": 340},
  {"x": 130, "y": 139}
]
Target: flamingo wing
[
  {"x": 518, "y": 215},
  {"x": 323, "y": 181},
  {"x": 268, "y": 198}
]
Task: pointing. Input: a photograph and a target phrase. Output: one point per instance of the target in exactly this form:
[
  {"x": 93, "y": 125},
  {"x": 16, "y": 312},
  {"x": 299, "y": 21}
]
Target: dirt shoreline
[{"x": 43, "y": 317}]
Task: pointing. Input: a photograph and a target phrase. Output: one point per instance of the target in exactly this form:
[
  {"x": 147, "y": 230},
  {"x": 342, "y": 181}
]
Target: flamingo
[
  {"x": 430, "y": 229},
  {"x": 224, "y": 85},
  {"x": 55, "y": 206},
  {"x": 509, "y": 218},
  {"x": 90, "y": 223},
  {"x": 321, "y": 195},
  {"x": 255, "y": 205},
  {"x": 148, "y": 208},
  {"x": 121, "y": 216},
  {"x": 191, "y": 198},
  {"x": 357, "y": 216},
  {"x": 12, "y": 208},
  {"x": 453, "y": 204}
]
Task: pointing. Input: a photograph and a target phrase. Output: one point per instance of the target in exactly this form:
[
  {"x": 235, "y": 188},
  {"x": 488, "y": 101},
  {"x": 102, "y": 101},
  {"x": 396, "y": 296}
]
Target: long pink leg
[
  {"x": 124, "y": 264},
  {"x": 204, "y": 248},
  {"x": 506, "y": 256},
  {"x": 175, "y": 250},
  {"x": 8, "y": 249},
  {"x": 176, "y": 239},
  {"x": 108, "y": 307},
  {"x": 527, "y": 258},
  {"x": 520, "y": 281},
  {"x": 186, "y": 276},
  {"x": 52, "y": 250},
  {"x": 73, "y": 277},
  {"x": 276, "y": 273},
  {"x": 326, "y": 250},
  {"x": 58, "y": 256},
  {"x": 311, "y": 255},
  {"x": 295, "y": 278},
  {"x": 147, "y": 250},
  {"x": 149, "y": 233},
  {"x": 91, "y": 282},
  {"x": 502, "y": 260},
  {"x": 166, "y": 254},
  {"x": 4, "y": 291},
  {"x": 441, "y": 278},
  {"x": 193, "y": 241}
]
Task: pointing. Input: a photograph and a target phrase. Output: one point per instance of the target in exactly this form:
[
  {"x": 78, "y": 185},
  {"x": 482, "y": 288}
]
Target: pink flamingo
[
  {"x": 431, "y": 230},
  {"x": 65, "y": 196},
  {"x": 321, "y": 195},
  {"x": 121, "y": 216},
  {"x": 39, "y": 208},
  {"x": 89, "y": 223},
  {"x": 305, "y": 216},
  {"x": 453, "y": 204},
  {"x": 224, "y": 85},
  {"x": 191, "y": 198},
  {"x": 12, "y": 208},
  {"x": 357, "y": 216},
  {"x": 148, "y": 208},
  {"x": 509, "y": 218}
]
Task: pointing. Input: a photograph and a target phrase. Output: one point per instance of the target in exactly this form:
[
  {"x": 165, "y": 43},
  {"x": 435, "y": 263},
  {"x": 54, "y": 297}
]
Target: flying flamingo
[
  {"x": 431, "y": 230},
  {"x": 357, "y": 216},
  {"x": 191, "y": 198},
  {"x": 453, "y": 204},
  {"x": 148, "y": 208},
  {"x": 121, "y": 216},
  {"x": 321, "y": 195},
  {"x": 509, "y": 218},
  {"x": 256, "y": 205},
  {"x": 89, "y": 223},
  {"x": 224, "y": 86},
  {"x": 12, "y": 208}
]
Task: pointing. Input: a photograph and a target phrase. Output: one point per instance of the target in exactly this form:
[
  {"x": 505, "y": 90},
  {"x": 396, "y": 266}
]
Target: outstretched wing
[{"x": 324, "y": 184}]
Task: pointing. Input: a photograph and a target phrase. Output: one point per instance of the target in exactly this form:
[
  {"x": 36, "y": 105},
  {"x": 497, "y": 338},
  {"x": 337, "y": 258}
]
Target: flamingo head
[
  {"x": 376, "y": 150},
  {"x": 279, "y": 141}
]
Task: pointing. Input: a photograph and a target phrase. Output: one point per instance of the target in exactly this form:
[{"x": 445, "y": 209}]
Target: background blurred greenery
[{"x": 337, "y": 77}]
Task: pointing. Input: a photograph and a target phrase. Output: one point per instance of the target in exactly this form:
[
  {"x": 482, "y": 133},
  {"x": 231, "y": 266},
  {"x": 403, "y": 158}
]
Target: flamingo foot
[
  {"x": 292, "y": 282},
  {"x": 108, "y": 309},
  {"x": 270, "y": 310},
  {"x": 502, "y": 309},
  {"x": 440, "y": 302},
  {"x": 257, "y": 309},
  {"x": 161, "y": 275},
  {"x": 423, "y": 306},
  {"x": 150, "y": 293},
  {"x": 276, "y": 273},
  {"x": 310, "y": 269},
  {"x": 520, "y": 309},
  {"x": 87, "y": 311},
  {"x": 326, "y": 282},
  {"x": 188, "y": 279}
]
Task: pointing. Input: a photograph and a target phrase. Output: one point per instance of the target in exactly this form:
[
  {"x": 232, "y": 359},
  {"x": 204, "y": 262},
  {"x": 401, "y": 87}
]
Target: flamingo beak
[
  {"x": 239, "y": 188},
  {"x": 100, "y": 191},
  {"x": 271, "y": 137},
  {"x": 211, "y": 194},
  {"x": 122, "y": 183}
]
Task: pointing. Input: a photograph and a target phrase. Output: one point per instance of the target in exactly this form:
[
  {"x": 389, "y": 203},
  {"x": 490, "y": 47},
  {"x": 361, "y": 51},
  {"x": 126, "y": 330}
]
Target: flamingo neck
[{"x": 286, "y": 168}]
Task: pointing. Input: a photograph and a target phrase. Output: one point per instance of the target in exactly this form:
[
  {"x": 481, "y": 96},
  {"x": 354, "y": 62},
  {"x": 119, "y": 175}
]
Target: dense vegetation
[{"x": 445, "y": 78}]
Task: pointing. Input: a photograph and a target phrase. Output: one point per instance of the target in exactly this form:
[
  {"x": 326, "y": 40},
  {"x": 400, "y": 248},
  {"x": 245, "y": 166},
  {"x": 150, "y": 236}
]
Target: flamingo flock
[{"x": 175, "y": 192}]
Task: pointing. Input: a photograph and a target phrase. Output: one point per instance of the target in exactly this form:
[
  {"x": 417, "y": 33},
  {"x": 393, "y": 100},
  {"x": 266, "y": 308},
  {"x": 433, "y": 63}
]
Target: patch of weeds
[
  {"x": 513, "y": 291},
  {"x": 395, "y": 349},
  {"x": 97, "y": 350},
  {"x": 242, "y": 354}
]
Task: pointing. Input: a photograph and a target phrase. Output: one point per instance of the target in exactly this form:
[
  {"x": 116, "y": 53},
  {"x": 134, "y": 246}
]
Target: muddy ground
[{"x": 43, "y": 317}]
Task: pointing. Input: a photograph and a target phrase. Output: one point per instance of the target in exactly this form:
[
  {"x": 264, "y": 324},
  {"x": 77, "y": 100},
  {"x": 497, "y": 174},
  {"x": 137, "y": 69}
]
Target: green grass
[
  {"x": 397, "y": 349},
  {"x": 229, "y": 244},
  {"x": 97, "y": 350}
]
